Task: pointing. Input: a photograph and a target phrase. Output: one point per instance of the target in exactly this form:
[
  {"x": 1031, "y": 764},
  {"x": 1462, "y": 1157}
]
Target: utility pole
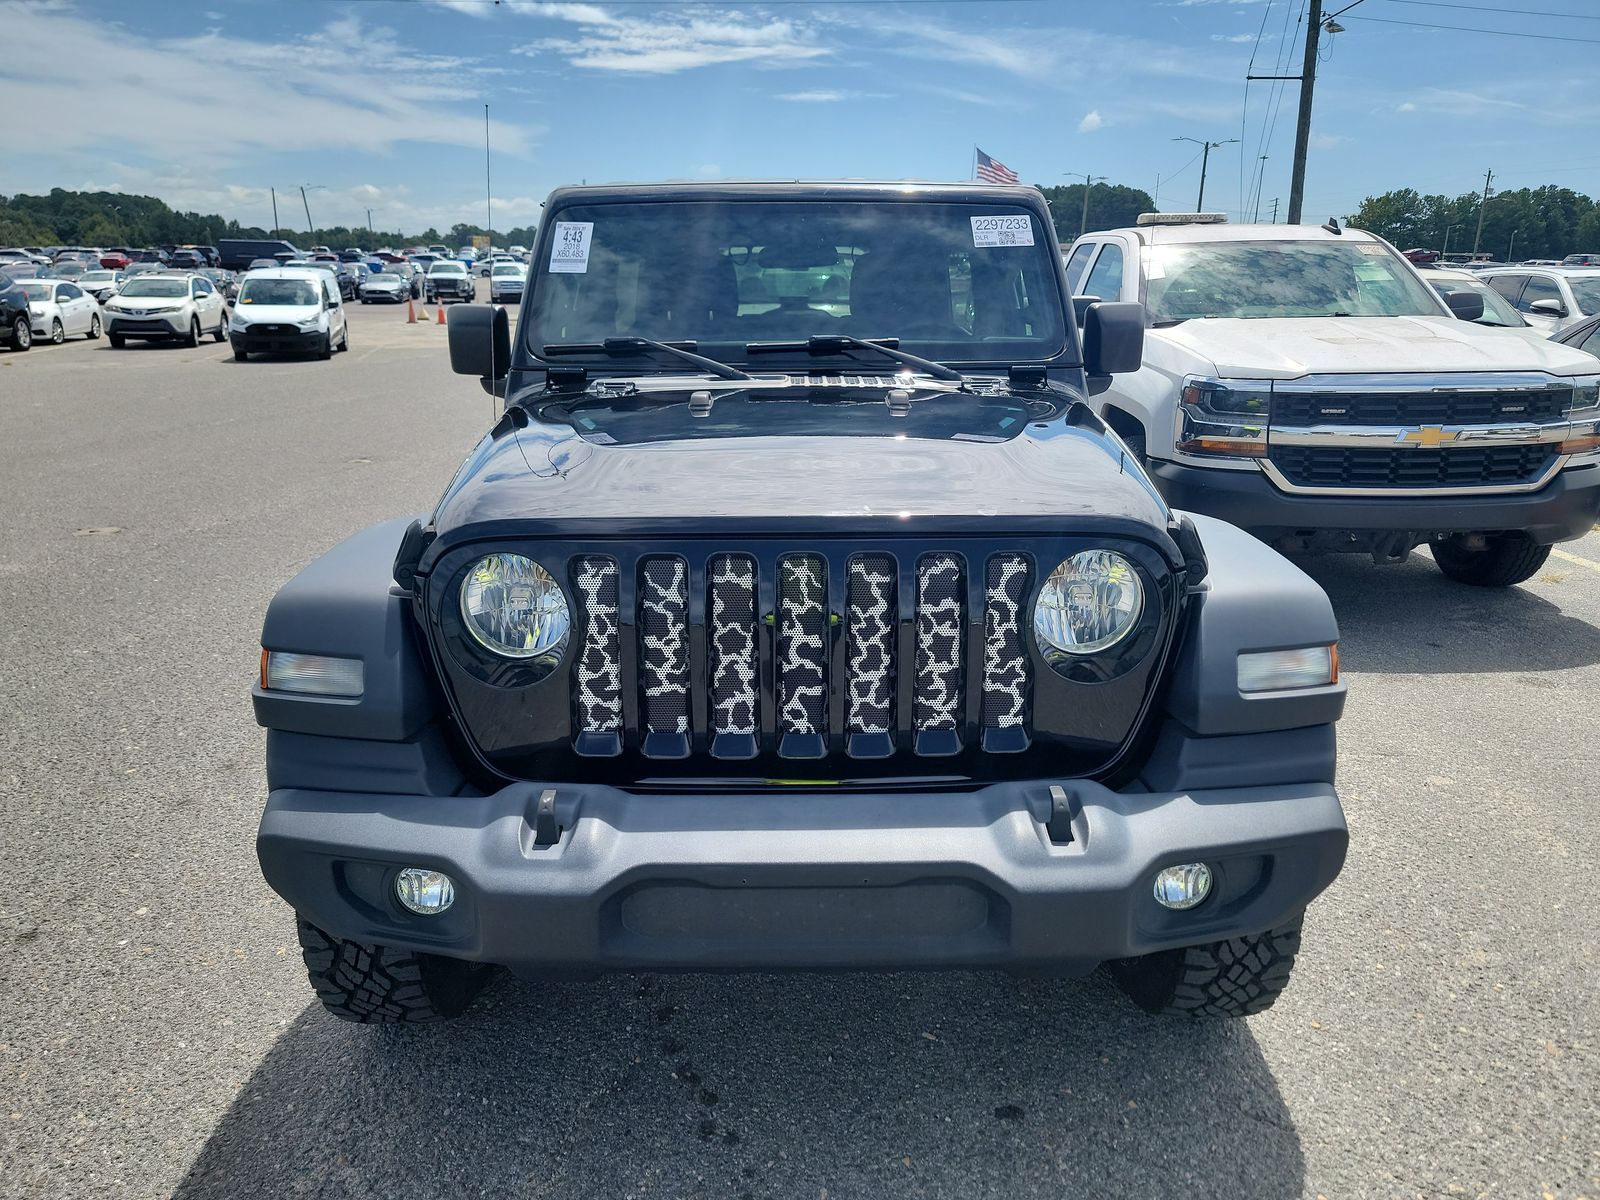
[
  {"x": 311, "y": 229},
  {"x": 369, "y": 221},
  {"x": 1205, "y": 158},
  {"x": 1483, "y": 205},
  {"x": 1274, "y": 210},
  {"x": 274, "y": 192},
  {"x": 1256, "y": 218},
  {"x": 1088, "y": 182},
  {"x": 1302, "y": 126},
  {"x": 1447, "y": 230}
]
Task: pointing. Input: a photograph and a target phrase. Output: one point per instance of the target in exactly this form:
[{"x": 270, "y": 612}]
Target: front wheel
[
  {"x": 1237, "y": 977},
  {"x": 58, "y": 332},
  {"x": 21, "y": 334},
  {"x": 221, "y": 331},
  {"x": 94, "y": 327},
  {"x": 117, "y": 343},
  {"x": 327, "y": 347},
  {"x": 240, "y": 354},
  {"x": 1504, "y": 560},
  {"x": 193, "y": 339},
  {"x": 379, "y": 985}
]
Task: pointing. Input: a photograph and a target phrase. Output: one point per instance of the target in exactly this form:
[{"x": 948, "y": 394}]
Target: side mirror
[
  {"x": 1467, "y": 306},
  {"x": 1548, "y": 308},
  {"x": 1113, "y": 338},
  {"x": 480, "y": 341}
]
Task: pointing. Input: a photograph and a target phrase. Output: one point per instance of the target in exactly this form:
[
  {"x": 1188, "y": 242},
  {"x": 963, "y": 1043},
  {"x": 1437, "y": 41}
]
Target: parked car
[
  {"x": 1581, "y": 260},
  {"x": 412, "y": 275},
  {"x": 163, "y": 307},
  {"x": 102, "y": 285},
  {"x": 289, "y": 310},
  {"x": 349, "y": 276},
  {"x": 384, "y": 286},
  {"x": 150, "y": 256},
  {"x": 115, "y": 260},
  {"x": 1308, "y": 386},
  {"x": 236, "y": 254},
  {"x": 1497, "y": 312},
  {"x": 1550, "y": 298},
  {"x": 189, "y": 260},
  {"x": 263, "y": 264},
  {"x": 449, "y": 282},
  {"x": 66, "y": 268},
  {"x": 225, "y": 282},
  {"x": 507, "y": 280},
  {"x": 1585, "y": 336},
  {"x": 16, "y": 324},
  {"x": 59, "y": 309},
  {"x": 889, "y": 677}
]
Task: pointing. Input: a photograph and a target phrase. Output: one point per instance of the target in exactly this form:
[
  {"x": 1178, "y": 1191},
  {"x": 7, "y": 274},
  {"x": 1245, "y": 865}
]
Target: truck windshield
[
  {"x": 1190, "y": 280},
  {"x": 951, "y": 281}
]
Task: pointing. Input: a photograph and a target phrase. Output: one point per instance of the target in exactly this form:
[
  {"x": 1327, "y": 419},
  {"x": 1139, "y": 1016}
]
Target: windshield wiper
[
  {"x": 631, "y": 347},
  {"x": 822, "y": 344}
]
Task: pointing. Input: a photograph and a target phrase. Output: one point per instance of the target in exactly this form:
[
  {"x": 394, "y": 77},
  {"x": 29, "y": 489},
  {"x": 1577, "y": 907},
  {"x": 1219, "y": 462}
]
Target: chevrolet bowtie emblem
[{"x": 1429, "y": 436}]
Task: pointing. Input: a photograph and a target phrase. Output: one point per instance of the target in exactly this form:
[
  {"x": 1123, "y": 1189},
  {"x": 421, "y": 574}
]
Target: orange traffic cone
[
  {"x": 441, "y": 312},
  {"x": 411, "y": 313}
]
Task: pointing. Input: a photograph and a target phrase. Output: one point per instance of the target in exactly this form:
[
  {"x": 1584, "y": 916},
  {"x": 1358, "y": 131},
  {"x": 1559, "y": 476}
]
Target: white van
[{"x": 288, "y": 310}]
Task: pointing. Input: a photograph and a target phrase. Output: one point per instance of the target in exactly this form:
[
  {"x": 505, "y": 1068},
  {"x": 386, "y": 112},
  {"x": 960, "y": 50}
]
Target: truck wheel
[
  {"x": 1508, "y": 558},
  {"x": 376, "y": 985},
  {"x": 1233, "y": 978}
]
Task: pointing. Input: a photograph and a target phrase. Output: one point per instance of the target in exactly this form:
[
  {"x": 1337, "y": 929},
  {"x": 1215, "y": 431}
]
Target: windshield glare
[
  {"x": 1587, "y": 293},
  {"x": 36, "y": 291},
  {"x": 156, "y": 287},
  {"x": 298, "y": 292},
  {"x": 1189, "y": 280},
  {"x": 953, "y": 282}
]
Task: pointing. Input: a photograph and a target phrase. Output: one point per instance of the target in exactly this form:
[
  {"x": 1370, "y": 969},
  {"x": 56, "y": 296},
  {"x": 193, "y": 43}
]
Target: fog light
[
  {"x": 423, "y": 891},
  {"x": 313, "y": 674},
  {"x": 1183, "y": 886},
  {"x": 1286, "y": 670}
]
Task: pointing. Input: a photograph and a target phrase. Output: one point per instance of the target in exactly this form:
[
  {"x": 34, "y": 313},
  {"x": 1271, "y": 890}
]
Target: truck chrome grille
[
  {"x": 1474, "y": 466},
  {"x": 801, "y": 654}
]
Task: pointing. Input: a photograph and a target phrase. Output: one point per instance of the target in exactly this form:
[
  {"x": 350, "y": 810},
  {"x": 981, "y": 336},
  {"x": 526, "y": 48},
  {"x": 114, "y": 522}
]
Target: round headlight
[
  {"x": 512, "y": 606},
  {"x": 1088, "y": 603}
]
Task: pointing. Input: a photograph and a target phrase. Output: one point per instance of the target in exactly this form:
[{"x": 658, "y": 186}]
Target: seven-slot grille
[{"x": 867, "y": 659}]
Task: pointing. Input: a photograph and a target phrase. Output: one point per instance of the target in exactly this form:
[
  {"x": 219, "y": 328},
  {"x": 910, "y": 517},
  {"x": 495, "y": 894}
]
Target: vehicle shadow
[
  {"x": 971, "y": 1084},
  {"x": 1410, "y": 619}
]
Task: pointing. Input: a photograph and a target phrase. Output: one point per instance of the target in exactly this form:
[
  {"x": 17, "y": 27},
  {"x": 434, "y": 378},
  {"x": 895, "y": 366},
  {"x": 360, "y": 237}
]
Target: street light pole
[
  {"x": 1447, "y": 230},
  {"x": 275, "y": 225},
  {"x": 1483, "y": 205},
  {"x": 1509, "y": 256},
  {"x": 1205, "y": 158}
]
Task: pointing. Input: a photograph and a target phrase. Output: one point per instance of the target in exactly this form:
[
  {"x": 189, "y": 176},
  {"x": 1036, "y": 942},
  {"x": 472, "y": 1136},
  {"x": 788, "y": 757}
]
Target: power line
[
  {"x": 1495, "y": 8},
  {"x": 1543, "y": 37}
]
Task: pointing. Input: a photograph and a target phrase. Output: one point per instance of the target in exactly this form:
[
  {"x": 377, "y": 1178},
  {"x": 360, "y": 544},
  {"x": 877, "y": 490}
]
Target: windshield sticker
[
  {"x": 1372, "y": 248},
  {"x": 1002, "y": 231},
  {"x": 569, "y": 253}
]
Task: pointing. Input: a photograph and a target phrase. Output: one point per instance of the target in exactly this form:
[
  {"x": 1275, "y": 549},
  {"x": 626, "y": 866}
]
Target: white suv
[
  {"x": 166, "y": 307},
  {"x": 1549, "y": 298},
  {"x": 1306, "y": 384}
]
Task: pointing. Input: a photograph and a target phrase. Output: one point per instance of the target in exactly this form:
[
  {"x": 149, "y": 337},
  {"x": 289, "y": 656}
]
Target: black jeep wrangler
[{"x": 799, "y": 612}]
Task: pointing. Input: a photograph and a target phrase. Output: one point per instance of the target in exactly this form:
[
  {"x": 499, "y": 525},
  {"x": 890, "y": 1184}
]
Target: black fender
[
  {"x": 1252, "y": 599},
  {"x": 346, "y": 604}
]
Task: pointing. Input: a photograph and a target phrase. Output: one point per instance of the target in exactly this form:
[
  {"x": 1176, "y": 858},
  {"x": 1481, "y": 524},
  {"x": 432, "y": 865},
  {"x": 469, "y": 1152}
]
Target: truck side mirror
[
  {"x": 480, "y": 341},
  {"x": 1113, "y": 338},
  {"x": 1467, "y": 306}
]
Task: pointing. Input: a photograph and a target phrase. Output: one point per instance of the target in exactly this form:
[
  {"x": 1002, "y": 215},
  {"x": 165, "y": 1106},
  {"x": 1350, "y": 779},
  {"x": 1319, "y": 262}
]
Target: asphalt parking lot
[{"x": 157, "y": 1034}]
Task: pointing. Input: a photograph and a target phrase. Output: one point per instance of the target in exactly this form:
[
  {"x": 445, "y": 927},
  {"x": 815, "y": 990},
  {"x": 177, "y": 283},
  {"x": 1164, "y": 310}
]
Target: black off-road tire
[
  {"x": 377, "y": 985},
  {"x": 1234, "y": 978},
  {"x": 1509, "y": 558}
]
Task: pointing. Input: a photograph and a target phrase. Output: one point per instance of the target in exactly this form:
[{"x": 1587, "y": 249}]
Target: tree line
[
  {"x": 69, "y": 218},
  {"x": 1543, "y": 222}
]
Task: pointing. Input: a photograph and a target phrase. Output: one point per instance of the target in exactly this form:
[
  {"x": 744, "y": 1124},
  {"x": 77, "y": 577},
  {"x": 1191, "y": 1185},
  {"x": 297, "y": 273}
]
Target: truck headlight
[
  {"x": 1088, "y": 603},
  {"x": 1224, "y": 417},
  {"x": 512, "y": 607}
]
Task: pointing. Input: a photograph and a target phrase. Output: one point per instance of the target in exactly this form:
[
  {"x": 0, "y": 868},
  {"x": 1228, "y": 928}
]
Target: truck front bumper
[
  {"x": 801, "y": 879},
  {"x": 1563, "y": 509}
]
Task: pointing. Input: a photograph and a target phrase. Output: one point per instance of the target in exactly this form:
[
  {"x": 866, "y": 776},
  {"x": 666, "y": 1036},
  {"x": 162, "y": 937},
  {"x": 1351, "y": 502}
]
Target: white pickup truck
[{"x": 1304, "y": 383}]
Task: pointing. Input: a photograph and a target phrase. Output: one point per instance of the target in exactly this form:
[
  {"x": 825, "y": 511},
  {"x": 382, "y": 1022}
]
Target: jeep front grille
[{"x": 866, "y": 660}]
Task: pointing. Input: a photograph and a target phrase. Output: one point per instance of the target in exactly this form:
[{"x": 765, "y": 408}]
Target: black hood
[{"x": 814, "y": 454}]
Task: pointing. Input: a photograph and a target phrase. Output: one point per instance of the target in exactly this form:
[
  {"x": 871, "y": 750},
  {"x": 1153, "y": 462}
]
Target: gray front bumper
[{"x": 801, "y": 879}]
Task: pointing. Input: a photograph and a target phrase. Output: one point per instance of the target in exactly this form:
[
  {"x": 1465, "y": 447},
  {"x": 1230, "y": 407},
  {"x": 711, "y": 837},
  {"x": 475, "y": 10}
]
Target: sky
[{"x": 380, "y": 103}]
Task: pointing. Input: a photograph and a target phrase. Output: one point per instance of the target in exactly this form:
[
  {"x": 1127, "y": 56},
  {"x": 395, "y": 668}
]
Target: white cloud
[
  {"x": 1233, "y": 37},
  {"x": 666, "y": 43},
  {"x": 307, "y": 94},
  {"x": 1327, "y": 141},
  {"x": 1092, "y": 120},
  {"x": 1406, "y": 107},
  {"x": 830, "y": 96}
]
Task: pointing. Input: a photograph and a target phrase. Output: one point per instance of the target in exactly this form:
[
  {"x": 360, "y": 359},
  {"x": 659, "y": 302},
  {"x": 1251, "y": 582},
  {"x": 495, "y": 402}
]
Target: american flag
[{"x": 992, "y": 170}]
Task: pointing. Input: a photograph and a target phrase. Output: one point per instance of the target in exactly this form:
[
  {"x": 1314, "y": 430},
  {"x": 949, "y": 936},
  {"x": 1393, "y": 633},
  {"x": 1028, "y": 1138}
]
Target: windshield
[
  {"x": 383, "y": 278},
  {"x": 1189, "y": 280},
  {"x": 506, "y": 269},
  {"x": 35, "y": 290},
  {"x": 155, "y": 286},
  {"x": 1587, "y": 293},
  {"x": 1497, "y": 310},
  {"x": 297, "y": 292},
  {"x": 972, "y": 282},
  {"x": 447, "y": 268},
  {"x": 96, "y": 277}
]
